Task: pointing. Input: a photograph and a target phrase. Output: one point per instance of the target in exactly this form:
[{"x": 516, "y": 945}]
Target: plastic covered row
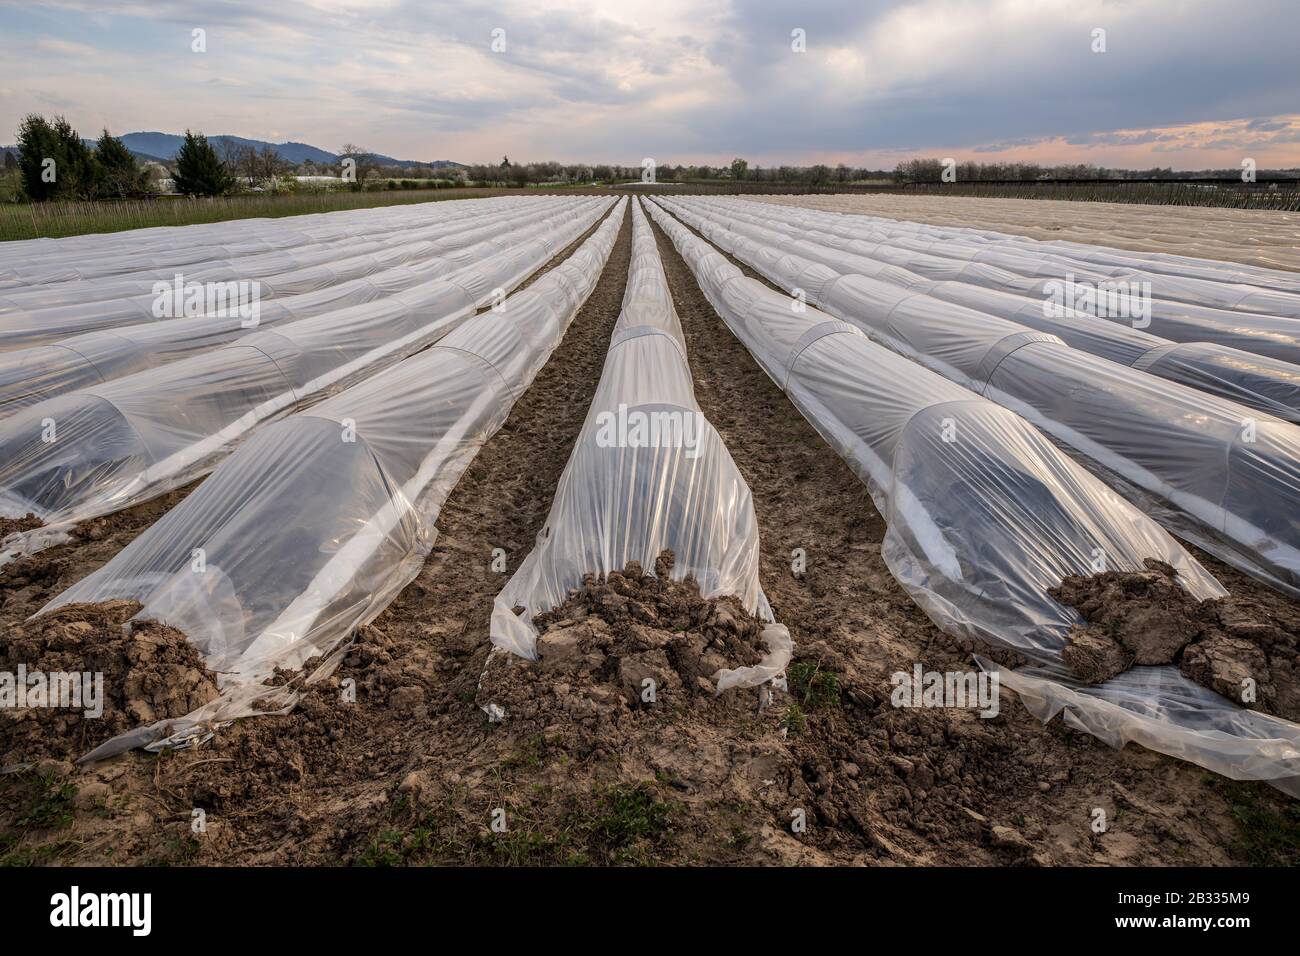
[
  {"x": 316, "y": 523},
  {"x": 1269, "y": 335},
  {"x": 258, "y": 266},
  {"x": 183, "y": 296},
  {"x": 1214, "y": 285},
  {"x": 99, "y": 450},
  {"x": 984, "y": 515},
  {"x": 31, "y": 375},
  {"x": 1257, "y": 381},
  {"x": 1223, "y": 476},
  {"x": 1098, "y": 258},
  {"x": 647, "y": 473},
  {"x": 41, "y": 261}
]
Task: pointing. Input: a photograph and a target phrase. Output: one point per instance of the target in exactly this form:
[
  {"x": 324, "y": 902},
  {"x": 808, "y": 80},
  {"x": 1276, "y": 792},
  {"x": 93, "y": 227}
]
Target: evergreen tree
[
  {"x": 121, "y": 175},
  {"x": 54, "y": 161},
  {"x": 199, "y": 170}
]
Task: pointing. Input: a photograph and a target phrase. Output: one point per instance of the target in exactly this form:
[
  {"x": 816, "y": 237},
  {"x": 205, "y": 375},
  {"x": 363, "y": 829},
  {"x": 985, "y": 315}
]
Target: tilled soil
[
  {"x": 393, "y": 759},
  {"x": 150, "y": 674},
  {"x": 621, "y": 642}
]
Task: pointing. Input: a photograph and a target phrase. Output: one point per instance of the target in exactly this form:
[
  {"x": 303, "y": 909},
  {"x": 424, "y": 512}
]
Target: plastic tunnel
[
  {"x": 1221, "y": 475},
  {"x": 30, "y": 375},
  {"x": 1258, "y": 381},
  {"x": 647, "y": 472},
  {"x": 1276, "y": 337},
  {"x": 185, "y": 295},
  {"x": 984, "y": 514},
  {"x": 316, "y": 523},
  {"x": 96, "y": 451}
]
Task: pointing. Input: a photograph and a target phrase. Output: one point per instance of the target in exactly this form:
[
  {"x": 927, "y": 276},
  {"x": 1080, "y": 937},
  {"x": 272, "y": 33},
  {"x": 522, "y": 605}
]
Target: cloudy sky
[{"x": 1185, "y": 83}]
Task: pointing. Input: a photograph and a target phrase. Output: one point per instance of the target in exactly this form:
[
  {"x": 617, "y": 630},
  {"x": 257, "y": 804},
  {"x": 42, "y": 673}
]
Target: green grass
[
  {"x": 43, "y": 803},
  {"x": 795, "y": 720},
  {"x": 620, "y": 825},
  {"x": 629, "y": 813},
  {"x": 1267, "y": 835},
  {"x": 812, "y": 687}
]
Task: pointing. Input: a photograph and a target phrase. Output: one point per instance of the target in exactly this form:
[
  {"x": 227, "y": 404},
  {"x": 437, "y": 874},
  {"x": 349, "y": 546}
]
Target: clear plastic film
[
  {"x": 103, "y": 256},
  {"x": 984, "y": 515},
  {"x": 647, "y": 473},
  {"x": 1268, "y": 335},
  {"x": 30, "y": 375},
  {"x": 1201, "y": 282},
  {"x": 99, "y": 450},
  {"x": 395, "y": 232},
  {"x": 1222, "y": 475},
  {"x": 1261, "y": 382},
  {"x": 316, "y": 523},
  {"x": 183, "y": 294}
]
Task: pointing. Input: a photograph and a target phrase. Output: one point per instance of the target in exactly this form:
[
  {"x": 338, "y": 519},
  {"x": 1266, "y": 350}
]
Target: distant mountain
[{"x": 166, "y": 145}]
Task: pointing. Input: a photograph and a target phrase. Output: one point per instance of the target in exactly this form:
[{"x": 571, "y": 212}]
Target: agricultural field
[{"x": 609, "y": 527}]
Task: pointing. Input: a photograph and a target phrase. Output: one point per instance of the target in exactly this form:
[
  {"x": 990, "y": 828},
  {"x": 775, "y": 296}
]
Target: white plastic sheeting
[
  {"x": 28, "y": 328},
  {"x": 140, "y": 436},
  {"x": 1273, "y": 336},
  {"x": 1257, "y": 381},
  {"x": 31, "y": 375},
  {"x": 984, "y": 515},
  {"x": 629, "y": 492},
  {"x": 1101, "y": 259},
  {"x": 80, "y": 258},
  {"x": 1203, "y": 282},
  {"x": 396, "y": 231},
  {"x": 1221, "y": 475},
  {"x": 315, "y": 524}
]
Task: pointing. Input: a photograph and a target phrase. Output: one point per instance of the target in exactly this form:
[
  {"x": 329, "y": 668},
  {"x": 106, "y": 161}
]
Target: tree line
[
  {"x": 932, "y": 170},
  {"x": 55, "y": 163}
]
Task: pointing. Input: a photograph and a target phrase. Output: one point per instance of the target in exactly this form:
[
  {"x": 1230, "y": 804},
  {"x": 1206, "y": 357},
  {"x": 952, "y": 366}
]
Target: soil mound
[
  {"x": 1230, "y": 645},
  {"x": 26, "y": 523},
  {"x": 626, "y": 641},
  {"x": 150, "y": 674}
]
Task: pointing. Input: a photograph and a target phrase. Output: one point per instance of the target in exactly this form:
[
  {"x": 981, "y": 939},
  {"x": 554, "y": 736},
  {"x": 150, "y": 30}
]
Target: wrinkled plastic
[
  {"x": 396, "y": 231},
  {"x": 31, "y": 375},
  {"x": 99, "y": 450},
  {"x": 1221, "y": 475},
  {"x": 1258, "y": 381},
  {"x": 316, "y": 523},
  {"x": 1268, "y": 335},
  {"x": 980, "y": 526},
  {"x": 32, "y": 327},
  {"x": 626, "y": 497},
  {"x": 1203, "y": 282},
  {"x": 102, "y": 256}
]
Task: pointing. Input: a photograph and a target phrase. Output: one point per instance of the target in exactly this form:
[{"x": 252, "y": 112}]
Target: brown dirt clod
[
  {"x": 149, "y": 674},
  {"x": 614, "y": 633},
  {"x": 1146, "y": 618}
]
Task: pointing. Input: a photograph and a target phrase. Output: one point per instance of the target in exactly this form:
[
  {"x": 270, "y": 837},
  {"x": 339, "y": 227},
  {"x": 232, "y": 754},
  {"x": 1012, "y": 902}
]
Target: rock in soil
[{"x": 1231, "y": 645}]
